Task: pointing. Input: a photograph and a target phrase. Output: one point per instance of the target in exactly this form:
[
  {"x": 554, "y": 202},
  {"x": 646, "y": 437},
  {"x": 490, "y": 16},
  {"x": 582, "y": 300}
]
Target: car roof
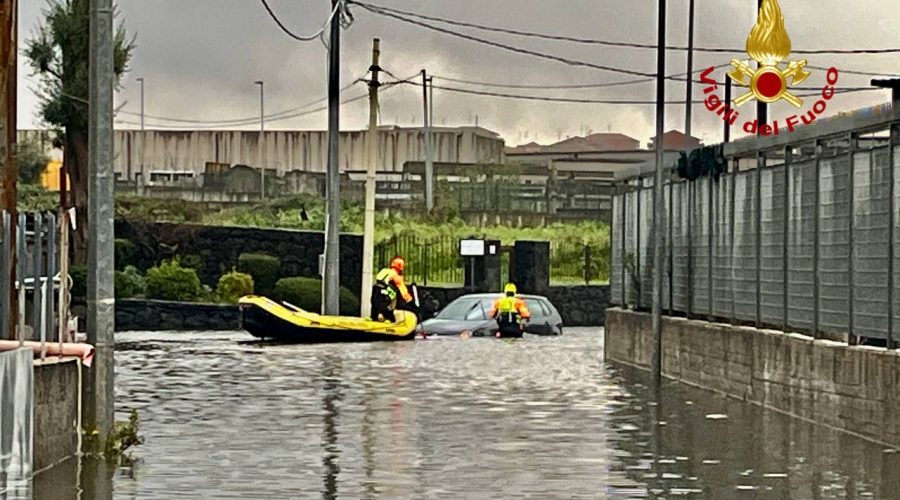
[{"x": 498, "y": 294}]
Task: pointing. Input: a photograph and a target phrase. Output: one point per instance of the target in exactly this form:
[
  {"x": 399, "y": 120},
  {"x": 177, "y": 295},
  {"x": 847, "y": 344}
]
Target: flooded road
[{"x": 483, "y": 418}]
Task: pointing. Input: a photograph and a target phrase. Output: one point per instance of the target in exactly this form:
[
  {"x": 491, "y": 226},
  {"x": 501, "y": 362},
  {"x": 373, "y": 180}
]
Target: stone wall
[
  {"x": 219, "y": 248},
  {"x": 157, "y": 315},
  {"x": 852, "y": 388},
  {"x": 56, "y": 418}
]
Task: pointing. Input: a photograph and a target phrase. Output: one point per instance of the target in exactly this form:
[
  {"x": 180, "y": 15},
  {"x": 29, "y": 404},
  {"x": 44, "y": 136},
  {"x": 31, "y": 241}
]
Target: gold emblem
[{"x": 769, "y": 45}]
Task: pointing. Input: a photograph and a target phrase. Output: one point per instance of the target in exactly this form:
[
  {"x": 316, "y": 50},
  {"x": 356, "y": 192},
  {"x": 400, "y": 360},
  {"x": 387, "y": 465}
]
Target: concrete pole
[
  {"x": 369, "y": 221},
  {"x": 332, "y": 273},
  {"x": 143, "y": 174},
  {"x": 688, "y": 106},
  {"x": 262, "y": 139},
  {"x": 101, "y": 303},
  {"x": 429, "y": 166},
  {"x": 762, "y": 109},
  {"x": 659, "y": 206},
  {"x": 8, "y": 167}
]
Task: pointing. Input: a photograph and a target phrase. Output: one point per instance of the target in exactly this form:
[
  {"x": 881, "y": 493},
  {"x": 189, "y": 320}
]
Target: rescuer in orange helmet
[
  {"x": 387, "y": 285},
  {"x": 510, "y": 311}
]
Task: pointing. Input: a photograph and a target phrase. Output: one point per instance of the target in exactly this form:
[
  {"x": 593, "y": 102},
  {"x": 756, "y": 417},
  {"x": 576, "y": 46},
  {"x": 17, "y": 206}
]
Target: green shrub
[
  {"x": 263, "y": 268},
  {"x": 125, "y": 253},
  {"x": 306, "y": 293},
  {"x": 79, "y": 281},
  {"x": 129, "y": 283},
  {"x": 170, "y": 281},
  {"x": 233, "y": 286}
]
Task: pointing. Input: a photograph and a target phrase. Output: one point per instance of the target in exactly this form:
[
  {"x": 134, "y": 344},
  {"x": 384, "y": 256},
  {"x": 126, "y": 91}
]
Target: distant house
[{"x": 674, "y": 140}]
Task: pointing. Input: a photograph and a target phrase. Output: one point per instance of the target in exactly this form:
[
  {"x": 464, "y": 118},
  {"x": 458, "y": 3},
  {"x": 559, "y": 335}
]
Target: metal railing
[
  {"x": 38, "y": 261},
  {"x": 800, "y": 235},
  {"x": 435, "y": 261}
]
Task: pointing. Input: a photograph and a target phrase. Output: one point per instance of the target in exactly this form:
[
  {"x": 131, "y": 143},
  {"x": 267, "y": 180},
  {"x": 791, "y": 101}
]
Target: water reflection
[{"x": 538, "y": 418}]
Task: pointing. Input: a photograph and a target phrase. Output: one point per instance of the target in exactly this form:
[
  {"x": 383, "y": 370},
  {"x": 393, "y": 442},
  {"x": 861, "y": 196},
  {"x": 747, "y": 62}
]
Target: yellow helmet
[{"x": 510, "y": 289}]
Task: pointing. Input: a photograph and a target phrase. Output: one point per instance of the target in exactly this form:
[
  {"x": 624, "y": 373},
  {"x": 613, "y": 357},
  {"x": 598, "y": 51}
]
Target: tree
[
  {"x": 59, "y": 55},
  {"x": 33, "y": 160}
]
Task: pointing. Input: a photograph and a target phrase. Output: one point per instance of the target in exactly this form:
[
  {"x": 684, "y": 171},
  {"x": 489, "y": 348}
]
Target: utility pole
[
  {"x": 688, "y": 101},
  {"x": 8, "y": 167},
  {"x": 332, "y": 273},
  {"x": 659, "y": 205},
  {"x": 762, "y": 115},
  {"x": 143, "y": 174},
  {"x": 727, "y": 137},
  {"x": 429, "y": 166},
  {"x": 369, "y": 221},
  {"x": 101, "y": 303},
  {"x": 262, "y": 139}
]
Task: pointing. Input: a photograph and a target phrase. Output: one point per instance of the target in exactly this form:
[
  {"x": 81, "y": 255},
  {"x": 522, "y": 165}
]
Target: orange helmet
[{"x": 398, "y": 264}]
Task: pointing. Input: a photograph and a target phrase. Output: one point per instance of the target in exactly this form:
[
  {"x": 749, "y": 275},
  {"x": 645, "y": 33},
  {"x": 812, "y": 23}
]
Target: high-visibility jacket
[
  {"x": 510, "y": 309},
  {"x": 389, "y": 282}
]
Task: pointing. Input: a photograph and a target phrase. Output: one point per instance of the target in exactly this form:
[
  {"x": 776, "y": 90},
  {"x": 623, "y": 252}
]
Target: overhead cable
[
  {"x": 338, "y": 8},
  {"x": 609, "y": 43}
]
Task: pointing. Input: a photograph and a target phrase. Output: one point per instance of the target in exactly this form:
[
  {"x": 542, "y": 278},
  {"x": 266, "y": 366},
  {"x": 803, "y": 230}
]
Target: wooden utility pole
[{"x": 8, "y": 170}]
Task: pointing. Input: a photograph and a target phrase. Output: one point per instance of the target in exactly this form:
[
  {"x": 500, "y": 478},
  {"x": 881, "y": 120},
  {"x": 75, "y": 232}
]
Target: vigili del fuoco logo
[{"x": 770, "y": 46}]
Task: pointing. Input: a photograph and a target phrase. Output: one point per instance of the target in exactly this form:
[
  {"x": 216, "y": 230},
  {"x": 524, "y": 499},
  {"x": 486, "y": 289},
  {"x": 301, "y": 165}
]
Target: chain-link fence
[{"x": 800, "y": 237}]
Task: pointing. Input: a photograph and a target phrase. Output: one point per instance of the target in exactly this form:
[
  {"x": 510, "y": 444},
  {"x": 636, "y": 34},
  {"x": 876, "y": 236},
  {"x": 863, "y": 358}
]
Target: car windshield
[{"x": 466, "y": 309}]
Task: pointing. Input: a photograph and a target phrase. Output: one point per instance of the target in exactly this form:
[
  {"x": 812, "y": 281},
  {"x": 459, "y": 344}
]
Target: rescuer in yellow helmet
[
  {"x": 510, "y": 311},
  {"x": 387, "y": 285}
]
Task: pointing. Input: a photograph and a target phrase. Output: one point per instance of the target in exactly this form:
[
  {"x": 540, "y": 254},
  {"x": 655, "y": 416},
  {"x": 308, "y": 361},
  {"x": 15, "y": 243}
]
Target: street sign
[{"x": 471, "y": 248}]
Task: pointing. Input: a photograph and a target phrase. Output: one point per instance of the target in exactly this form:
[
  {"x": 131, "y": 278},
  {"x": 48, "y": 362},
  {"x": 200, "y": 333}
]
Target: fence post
[
  {"x": 587, "y": 264},
  {"x": 670, "y": 246},
  {"x": 892, "y": 218},
  {"x": 851, "y": 223},
  {"x": 5, "y": 272},
  {"x": 735, "y": 167},
  {"x": 637, "y": 247},
  {"x": 21, "y": 264},
  {"x": 786, "y": 234},
  {"x": 51, "y": 271},
  {"x": 37, "y": 295},
  {"x": 425, "y": 256},
  {"x": 760, "y": 163},
  {"x": 819, "y": 149},
  {"x": 710, "y": 217}
]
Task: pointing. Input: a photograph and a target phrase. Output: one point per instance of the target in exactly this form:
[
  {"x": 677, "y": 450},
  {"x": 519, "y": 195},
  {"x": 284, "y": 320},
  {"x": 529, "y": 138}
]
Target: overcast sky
[{"x": 201, "y": 57}]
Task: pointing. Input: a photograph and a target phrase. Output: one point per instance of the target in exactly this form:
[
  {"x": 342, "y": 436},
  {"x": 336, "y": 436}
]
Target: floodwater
[{"x": 481, "y": 418}]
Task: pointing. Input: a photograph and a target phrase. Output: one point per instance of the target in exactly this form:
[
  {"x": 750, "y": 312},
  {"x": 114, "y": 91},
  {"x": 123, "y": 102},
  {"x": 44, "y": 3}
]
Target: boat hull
[{"x": 266, "y": 319}]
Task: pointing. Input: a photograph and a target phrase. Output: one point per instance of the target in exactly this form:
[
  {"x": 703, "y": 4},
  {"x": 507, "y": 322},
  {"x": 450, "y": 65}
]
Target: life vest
[
  {"x": 384, "y": 283},
  {"x": 508, "y": 310}
]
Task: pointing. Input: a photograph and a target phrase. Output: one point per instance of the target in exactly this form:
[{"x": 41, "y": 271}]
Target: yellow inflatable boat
[{"x": 267, "y": 319}]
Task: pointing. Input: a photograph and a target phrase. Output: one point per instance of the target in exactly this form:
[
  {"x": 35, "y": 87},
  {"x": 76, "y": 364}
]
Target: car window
[
  {"x": 536, "y": 308},
  {"x": 466, "y": 308}
]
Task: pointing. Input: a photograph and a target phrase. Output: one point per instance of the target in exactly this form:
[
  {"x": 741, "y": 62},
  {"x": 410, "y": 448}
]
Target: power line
[
  {"x": 571, "y": 62},
  {"x": 301, "y": 38},
  {"x": 608, "y": 43},
  {"x": 601, "y": 101},
  {"x": 242, "y": 121},
  {"x": 218, "y": 125}
]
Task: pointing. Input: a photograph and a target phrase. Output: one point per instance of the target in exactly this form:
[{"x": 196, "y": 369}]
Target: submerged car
[{"x": 469, "y": 313}]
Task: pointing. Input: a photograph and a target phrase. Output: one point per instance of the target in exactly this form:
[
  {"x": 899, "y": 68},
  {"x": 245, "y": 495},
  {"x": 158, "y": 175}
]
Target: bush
[
  {"x": 79, "y": 281},
  {"x": 170, "y": 281},
  {"x": 129, "y": 283},
  {"x": 233, "y": 286},
  {"x": 125, "y": 253},
  {"x": 263, "y": 268},
  {"x": 306, "y": 293}
]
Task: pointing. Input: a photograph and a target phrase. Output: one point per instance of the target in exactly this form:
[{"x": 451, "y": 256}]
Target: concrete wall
[
  {"x": 56, "y": 418},
  {"x": 856, "y": 389},
  {"x": 288, "y": 150}
]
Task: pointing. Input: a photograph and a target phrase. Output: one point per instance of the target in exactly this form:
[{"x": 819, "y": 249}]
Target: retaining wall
[
  {"x": 56, "y": 418},
  {"x": 853, "y": 388},
  {"x": 158, "y": 315}
]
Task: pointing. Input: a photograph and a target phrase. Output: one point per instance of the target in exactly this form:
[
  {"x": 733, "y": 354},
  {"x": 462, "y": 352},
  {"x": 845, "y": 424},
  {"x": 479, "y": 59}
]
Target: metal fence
[
  {"x": 436, "y": 261},
  {"x": 37, "y": 266},
  {"x": 799, "y": 235}
]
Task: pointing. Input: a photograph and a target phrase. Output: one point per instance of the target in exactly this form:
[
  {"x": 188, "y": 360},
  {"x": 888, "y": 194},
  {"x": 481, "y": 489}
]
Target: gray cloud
[{"x": 200, "y": 59}]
